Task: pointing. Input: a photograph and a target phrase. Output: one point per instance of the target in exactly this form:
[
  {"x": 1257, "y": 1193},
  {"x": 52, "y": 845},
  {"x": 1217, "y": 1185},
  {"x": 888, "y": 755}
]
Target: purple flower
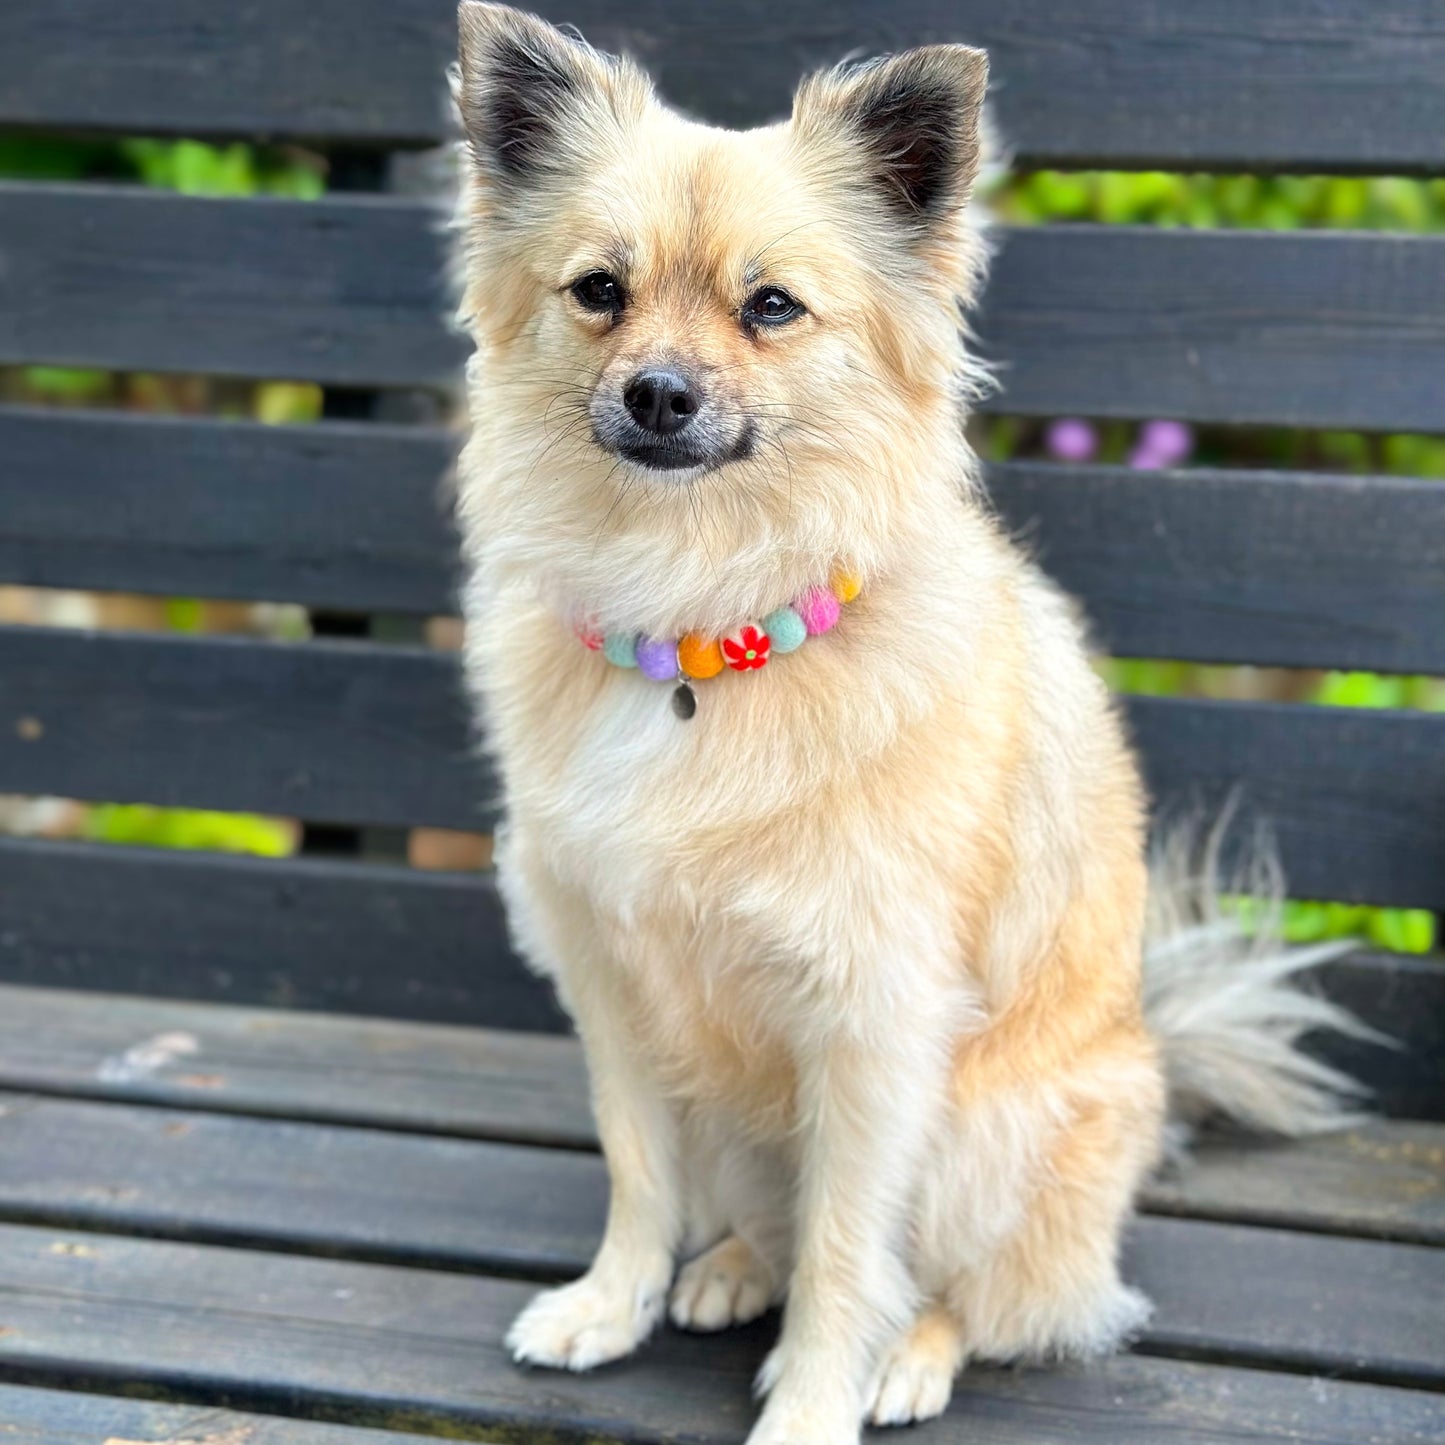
[
  {"x": 1162, "y": 444},
  {"x": 1071, "y": 440}
]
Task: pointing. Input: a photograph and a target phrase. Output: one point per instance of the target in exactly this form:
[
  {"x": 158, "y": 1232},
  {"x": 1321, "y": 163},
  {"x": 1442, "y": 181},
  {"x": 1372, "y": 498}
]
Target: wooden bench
[{"x": 284, "y": 1143}]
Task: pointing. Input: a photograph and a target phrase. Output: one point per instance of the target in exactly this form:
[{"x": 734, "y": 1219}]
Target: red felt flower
[{"x": 749, "y": 649}]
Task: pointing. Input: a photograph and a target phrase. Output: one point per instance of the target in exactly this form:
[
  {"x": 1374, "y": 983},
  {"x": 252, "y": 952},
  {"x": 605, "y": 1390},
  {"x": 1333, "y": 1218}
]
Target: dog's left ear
[{"x": 915, "y": 120}]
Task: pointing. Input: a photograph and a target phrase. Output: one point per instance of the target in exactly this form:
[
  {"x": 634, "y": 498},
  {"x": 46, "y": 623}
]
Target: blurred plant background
[{"x": 1043, "y": 197}]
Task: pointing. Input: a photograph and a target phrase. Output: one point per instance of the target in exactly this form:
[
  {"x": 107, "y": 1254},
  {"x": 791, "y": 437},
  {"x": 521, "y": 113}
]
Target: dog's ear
[
  {"x": 915, "y": 120},
  {"x": 529, "y": 94}
]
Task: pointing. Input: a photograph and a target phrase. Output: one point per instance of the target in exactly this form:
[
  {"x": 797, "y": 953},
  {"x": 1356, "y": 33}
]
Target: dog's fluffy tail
[{"x": 1223, "y": 997}]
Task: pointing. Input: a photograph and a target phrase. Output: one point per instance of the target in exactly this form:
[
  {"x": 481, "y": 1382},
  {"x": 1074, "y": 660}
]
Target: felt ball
[
  {"x": 846, "y": 586},
  {"x": 699, "y": 657},
  {"x": 786, "y": 629},
  {"x": 819, "y": 610},
  {"x": 620, "y": 649},
  {"x": 657, "y": 659}
]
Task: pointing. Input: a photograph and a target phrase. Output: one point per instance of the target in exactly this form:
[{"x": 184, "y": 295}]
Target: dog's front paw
[
  {"x": 728, "y": 1285},
  {"x": 817, "y": 1422},
  {"x": 582, "y": 1325}
]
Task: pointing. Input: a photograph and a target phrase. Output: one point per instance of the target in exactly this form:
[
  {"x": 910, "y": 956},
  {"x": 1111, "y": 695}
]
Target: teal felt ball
[
  {"x": 620, "y": 649},
  {"x": 786, "y": 628}
]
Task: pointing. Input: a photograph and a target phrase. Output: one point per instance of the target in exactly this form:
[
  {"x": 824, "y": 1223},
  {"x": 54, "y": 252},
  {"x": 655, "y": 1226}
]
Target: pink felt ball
[{"x": 819, "y": 610}]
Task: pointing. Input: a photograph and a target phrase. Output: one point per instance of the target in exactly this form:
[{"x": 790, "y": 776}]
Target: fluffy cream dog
[{"x": 856, "y": 951}]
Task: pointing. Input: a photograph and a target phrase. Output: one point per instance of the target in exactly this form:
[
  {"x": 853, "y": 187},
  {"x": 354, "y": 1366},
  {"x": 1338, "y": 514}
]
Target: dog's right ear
[{"x": 529, "y": 94}]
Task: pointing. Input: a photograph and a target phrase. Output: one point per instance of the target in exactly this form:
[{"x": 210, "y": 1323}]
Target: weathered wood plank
[
  {"x": 349, "y": 292},
  {"x": 1355, "y": 796},
  {"x": 304, "y": 933},
  {"x": 382, "y": 1345},
  {"x": 532, "y": 1088},
  {"x": 430, "y": 1078},
  {"x": 1259, "y": 567},
  {"x": 341, "y": 515},
  {"x": 1385, "y": 1180},
  {"x": 1324, "y": 329},
  {"x": 506, "y": 1208},
  {"x": 334, "y": 731},
  {"x": 1270, "y": 568},
  {"x": 65, "y": 1417},
  {"x": 353, "y": 732},
  {"x": 1297, "y": 84},
  {"x": 1276, "y": 327},
  {"x": 371, "y": 939}
]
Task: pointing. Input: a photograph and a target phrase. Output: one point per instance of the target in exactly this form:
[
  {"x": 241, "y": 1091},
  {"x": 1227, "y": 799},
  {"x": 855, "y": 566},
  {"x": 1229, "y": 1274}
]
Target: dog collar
[{"x": 695, "y": 658}]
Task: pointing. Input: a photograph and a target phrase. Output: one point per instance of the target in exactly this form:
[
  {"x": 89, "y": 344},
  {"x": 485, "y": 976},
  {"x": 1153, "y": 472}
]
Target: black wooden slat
[
  {"x": 489, "y": 1207},
  {"x": 1384, "y": 1180},
  {"x": 1307, "y": 328},
  {"x": 1295, "y": 328},
  {"x": 369, "y": 939},
  {"x": 334, "y": 731},
  {"x": 360, "y": 733},
  {"x": 1271, "y": 568},
  {"x": 1260, "y": 567},
  {"x": 340, "y": 515},
  {"x": 1354, "y": 796},
  {"x": 304, "y": 933},
  {"x": 349, "y": 292},
  {"x": 530, "y": 1088},
  {"x": 424, "y": 1078},
  {"x": 1322, "y": 84},
  {"x": 67, "y": 1417},
  {"x": 385, "y": 1345}
]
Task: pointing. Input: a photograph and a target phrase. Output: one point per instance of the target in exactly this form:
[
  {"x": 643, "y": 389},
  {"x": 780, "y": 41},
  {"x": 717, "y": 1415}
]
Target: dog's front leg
[
  {"x": 609, "y": 1311},
  {"x": 867, "y": 1101}
]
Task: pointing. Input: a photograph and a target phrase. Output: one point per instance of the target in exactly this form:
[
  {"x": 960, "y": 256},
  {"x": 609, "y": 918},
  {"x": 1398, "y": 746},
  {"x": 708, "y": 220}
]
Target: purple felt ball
[
  {"x": 1071, "y": 440},
  {"x": 657, "y": 659}
]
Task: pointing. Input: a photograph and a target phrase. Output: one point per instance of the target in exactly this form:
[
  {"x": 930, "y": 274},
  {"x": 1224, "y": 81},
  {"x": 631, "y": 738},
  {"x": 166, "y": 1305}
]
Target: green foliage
[
  {"x": 189, "y": 828},
  {"x": 1276, "y": 203}
]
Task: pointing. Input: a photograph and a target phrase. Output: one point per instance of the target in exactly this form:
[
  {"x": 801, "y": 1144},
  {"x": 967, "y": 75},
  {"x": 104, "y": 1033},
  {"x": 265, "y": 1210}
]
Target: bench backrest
[{"x": 1303, "y": 571}]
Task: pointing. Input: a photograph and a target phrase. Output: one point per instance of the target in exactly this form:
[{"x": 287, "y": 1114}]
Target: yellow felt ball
[
  {"x": 698, "y": 657},
  {"x": 846, "y": 586}
]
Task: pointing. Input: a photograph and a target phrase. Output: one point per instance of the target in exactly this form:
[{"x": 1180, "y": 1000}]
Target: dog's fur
[{"x": 855, "y": 953}]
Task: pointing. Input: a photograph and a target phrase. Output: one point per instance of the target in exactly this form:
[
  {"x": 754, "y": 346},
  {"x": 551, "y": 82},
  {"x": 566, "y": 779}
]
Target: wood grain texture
[
  {"x": 1269, "y": 568},
  {"x": 1297, "y": 328},
  {"x": 530, "y": 1088},
  {"x": 304, "y": 933},
  {"x": 1296, "y": 84},
  {"x": 346, "y": 292},
  {"x": 332, "y": 731},
  {"x": 353, "y": 732},
  {"x": 505, "y": 1208},
  {"x": 382, "y": 1345},
  {"x": 379, "y": 940},
  {"x": 284, "y": 1063},
  {"x": 340, "y": 515},
  {"x": 67, "y": 1417},
  {"x": 1354, "y": 796},
  {"x": 1325, "y": 329}
]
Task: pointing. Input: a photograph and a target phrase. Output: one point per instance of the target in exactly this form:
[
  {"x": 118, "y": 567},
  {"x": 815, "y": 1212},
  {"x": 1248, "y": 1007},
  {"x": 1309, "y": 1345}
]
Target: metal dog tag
[{"x": 684, "y": 702}]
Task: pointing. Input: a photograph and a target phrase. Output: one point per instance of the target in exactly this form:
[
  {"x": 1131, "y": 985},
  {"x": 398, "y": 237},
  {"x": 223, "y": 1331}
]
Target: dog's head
[{"x": 759, "y": 321}]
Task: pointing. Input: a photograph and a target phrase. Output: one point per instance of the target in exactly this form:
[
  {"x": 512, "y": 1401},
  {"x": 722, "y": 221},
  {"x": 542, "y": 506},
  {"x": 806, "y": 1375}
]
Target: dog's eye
[
  {"x": 771, "y": 306},
  {"x": 598, "y": 291}
]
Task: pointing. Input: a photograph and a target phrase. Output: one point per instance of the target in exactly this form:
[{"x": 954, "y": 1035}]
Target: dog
[{"x": 818, "y": 815}]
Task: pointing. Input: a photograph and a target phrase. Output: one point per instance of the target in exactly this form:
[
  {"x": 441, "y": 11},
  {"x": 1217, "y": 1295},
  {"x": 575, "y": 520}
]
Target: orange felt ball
[
  {"x": 698, "y": 657},
  {"x": 846, "y": 586}
]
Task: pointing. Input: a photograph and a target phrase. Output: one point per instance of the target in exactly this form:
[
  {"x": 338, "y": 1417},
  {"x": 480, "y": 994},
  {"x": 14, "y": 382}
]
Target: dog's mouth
[{"x": 681, "y": 454}]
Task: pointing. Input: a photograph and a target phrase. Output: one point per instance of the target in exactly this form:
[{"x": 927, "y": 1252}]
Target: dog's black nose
[{"x": 660, "y": 400}]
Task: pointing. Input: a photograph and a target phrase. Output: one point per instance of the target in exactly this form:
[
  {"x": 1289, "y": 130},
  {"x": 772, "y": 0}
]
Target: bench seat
[{"x": 326, "y": 1218}]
